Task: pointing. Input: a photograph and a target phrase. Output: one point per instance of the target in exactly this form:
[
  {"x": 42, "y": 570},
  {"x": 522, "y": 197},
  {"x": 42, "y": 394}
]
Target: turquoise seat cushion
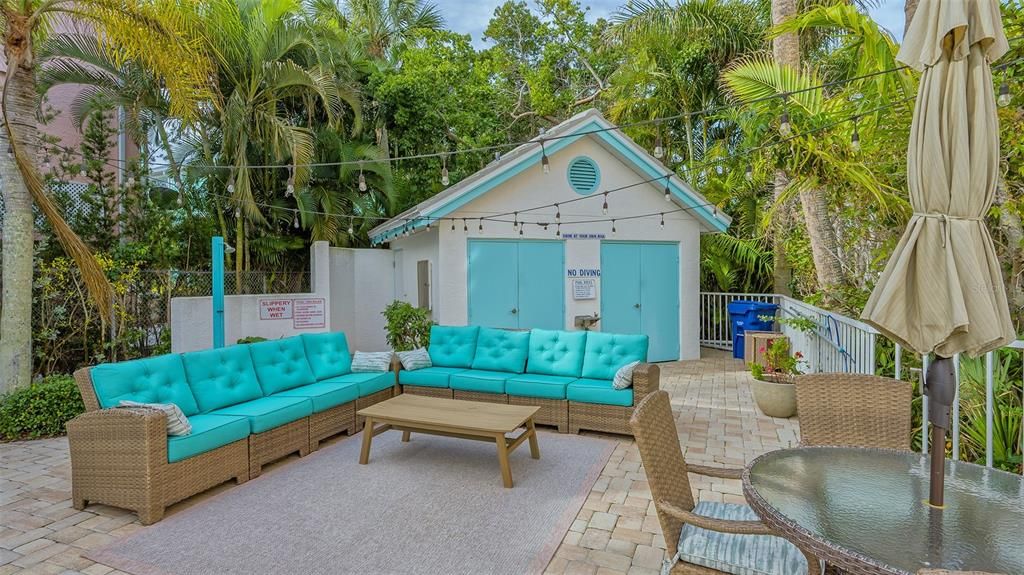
[
  {"x": 536, "y": 385},
  {"x": 208, "y": 433},
  {"x": 221, "y": 377},
  {"x": 598, "y": 391},
  {"x": 501, "y": 350},
  {"x": 428, "y": 376},
  {"x": 607, "y": 352},
  {"x": 266, "y": 413},
  {"x": 324, "y": 394},
  {"x": 367, "y": 382},
  {"x": 452, "y": 346},
  {"x": 738, "y": 554},
  {"x": 556, "y": 352},
  {"x": 327, "y": 354},
  {"x": 477, "y": 380},
  {"x": 159, "y": 379},
  {"x": 281, "y": 364}
]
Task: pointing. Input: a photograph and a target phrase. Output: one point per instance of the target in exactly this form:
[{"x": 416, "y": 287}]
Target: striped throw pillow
[
  {"x": 624, "y": 377},
  {"x": 415, "y": 359},
  {"x": 177, "y": 423},
  {"x": 370, "y": 362}
]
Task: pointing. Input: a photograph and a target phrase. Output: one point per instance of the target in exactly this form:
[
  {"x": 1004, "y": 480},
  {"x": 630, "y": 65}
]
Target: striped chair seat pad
[{"x": 738, "y": 554}]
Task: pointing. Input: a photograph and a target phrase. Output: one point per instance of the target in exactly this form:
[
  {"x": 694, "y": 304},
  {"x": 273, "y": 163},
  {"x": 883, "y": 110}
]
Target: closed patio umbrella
[{"x": 942, "y": 291}]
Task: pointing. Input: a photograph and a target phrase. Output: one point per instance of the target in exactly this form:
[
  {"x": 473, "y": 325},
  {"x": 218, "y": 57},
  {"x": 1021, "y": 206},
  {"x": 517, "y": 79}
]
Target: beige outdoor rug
[{"x": 431, "y": 506}]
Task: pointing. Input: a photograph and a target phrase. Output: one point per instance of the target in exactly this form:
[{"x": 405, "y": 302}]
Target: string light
[
  {"x": 428, "y": 225},
  {"x": 784, "y": 126},
  {"x": 465, "y": 228},
  {"x": 613, "y": 227},
  {"x": 453, "y": 225},
  {"x": 604, "y": 207},
  {"x": 558, "y": 230},
  {"x": 238, "y": 212},
  {"x": 289, "y": 189},
  {"x": 231, "y": 188},
  {"x": 480, "y": 227},
  {"x": 362, "y": 178},
  {"x": 515, "y": 220},
  {"x": 351, "y": 229},
  {"x": 855, "y": 137},
  {"x": 445, "y": 180},
  {"x": 749, "y": 173},
  {"x": 668, "y": 192},
  {"x": 1004, "y": 92},
  {"x": 295, "y": 220},
  {"x": 659, "y": 148},
  {"x": 663, "y": 220},
  {"x": 520, "y": 230},
  {"x": 558, "y": 214},
  {"x": 545, "y": 164}
]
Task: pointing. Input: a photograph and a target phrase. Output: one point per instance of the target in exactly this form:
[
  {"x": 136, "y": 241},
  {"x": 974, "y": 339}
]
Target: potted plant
[
  {"x": 773, "y": 387},
  {"x": 408, "y": 327}
]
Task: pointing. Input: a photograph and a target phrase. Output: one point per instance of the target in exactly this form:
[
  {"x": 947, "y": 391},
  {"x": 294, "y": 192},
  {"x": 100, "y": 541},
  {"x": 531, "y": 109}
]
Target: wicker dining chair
[
  {"x": 656, "y": 437},
  {"x": 945, "y": 572},
  {"x": 855, "y": 410}
]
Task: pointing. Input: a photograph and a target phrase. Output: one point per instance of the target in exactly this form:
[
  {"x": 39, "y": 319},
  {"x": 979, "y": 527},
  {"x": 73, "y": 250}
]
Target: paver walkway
[{"x": 615, "y": 532}]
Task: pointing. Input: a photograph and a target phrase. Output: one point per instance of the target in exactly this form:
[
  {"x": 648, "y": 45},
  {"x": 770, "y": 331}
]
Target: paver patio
[{"x": 615, "y": 532}]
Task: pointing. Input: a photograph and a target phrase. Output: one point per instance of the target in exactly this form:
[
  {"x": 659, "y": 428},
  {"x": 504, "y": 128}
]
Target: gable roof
[{"x": 590, "y": 123}]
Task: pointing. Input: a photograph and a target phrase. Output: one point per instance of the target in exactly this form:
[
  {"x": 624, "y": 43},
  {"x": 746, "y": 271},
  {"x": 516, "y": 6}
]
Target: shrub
[
  {"x": 41, "y": 409},
  {"x": 250, "y": 339},
  {"x": 408, "y": 327}
]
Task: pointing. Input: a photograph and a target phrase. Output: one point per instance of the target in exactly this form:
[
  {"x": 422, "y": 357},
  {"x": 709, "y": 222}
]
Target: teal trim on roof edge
[{"x": 611, "y": 137}]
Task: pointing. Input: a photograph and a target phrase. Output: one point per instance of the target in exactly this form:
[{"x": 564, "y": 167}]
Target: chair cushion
[
  {"x": 555, "y": 352},
  {"x": 598, "y": 391},
  {"x": 535, "y": 385},
  {"x": 208, "y": 433},
  {"x": 159, "y": 379},
  {"x": 607, "y": 352},
  {"x": 452, "y": 346},
  {"x": 428, "y": 376},
  {"x": 501, "y": 350},
  {"x": 327, "y": 354},
  {"x": 477, "y": 380},
  {"x": 324, "y": 394},
  {"x": 266, "y": 413},
  {"x": 368, "y": 383},
  {"x": 221, "y": 377},
  {"x": 738, "y": 554},
  {"x": 281, "y": 364}
]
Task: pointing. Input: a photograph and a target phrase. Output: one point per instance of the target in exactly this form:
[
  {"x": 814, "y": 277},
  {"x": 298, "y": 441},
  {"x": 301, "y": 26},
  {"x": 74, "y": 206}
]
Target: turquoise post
[{"x": 218, "y": 291}]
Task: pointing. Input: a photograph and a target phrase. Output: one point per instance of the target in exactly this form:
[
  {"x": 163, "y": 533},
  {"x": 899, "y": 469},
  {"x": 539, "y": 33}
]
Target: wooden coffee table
[{"x": 453, "y": 418}]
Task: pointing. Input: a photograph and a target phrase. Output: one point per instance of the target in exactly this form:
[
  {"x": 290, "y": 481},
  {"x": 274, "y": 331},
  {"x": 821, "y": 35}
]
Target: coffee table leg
[
  {"x": 405, "y": 436},
  {"x": 534, "y": 448},
  {"x": 364, "y": 455},
  {"x": 506, "y": 470}
]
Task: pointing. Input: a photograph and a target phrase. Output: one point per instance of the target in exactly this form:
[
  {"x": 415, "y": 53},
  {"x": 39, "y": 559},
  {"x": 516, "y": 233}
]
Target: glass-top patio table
[{"x": 866, "y": 510}]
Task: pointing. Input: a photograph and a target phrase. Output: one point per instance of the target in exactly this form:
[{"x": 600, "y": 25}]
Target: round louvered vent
[{"x": 584, "y": 175}]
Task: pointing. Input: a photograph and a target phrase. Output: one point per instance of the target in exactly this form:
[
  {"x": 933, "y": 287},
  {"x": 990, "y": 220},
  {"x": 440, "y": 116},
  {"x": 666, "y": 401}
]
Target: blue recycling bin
[{"x": 746, "y": 315}]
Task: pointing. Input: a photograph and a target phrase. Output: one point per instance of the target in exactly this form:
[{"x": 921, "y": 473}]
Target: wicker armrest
[
  {"x": 646, "y": 379},
  {"x": 720, "y": 472},
  {"x": 714, "y": 524},
  {"x": 119, "y": 429}
]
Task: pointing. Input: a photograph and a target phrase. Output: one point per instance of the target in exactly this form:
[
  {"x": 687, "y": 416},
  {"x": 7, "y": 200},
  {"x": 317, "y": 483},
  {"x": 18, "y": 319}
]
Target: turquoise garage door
[
  {"x": 516, "y": 284},
  {"x": 640, "y": 293}
]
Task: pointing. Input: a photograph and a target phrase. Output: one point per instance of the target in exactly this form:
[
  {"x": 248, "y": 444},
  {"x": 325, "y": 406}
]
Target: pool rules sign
[{"x": 305, "y": 313}]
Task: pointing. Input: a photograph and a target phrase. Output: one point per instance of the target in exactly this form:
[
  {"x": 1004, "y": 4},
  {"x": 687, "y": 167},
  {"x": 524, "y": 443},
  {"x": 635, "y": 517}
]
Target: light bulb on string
[
  {"x": 558, "y": 214},
  {"x": 521, "y": 230},
  {"x": 428, "y": 225},
  {"x": 465, "y": 228},
  {"x": 558, "y": 230},
  {"x": 784, "y": 126},
  {"x": 749, "y": 175},
  {"x": 351, "y": 229},
  {"x": 668, "y": 191},
  {"x": 238, "y": 212},
  {"x": 663, "y": 220},
  {"x": 480, "y": 225},
  {"x": 445, "y": 180},
  {"x": 453, "y": 225},
  {"x": 659, "y": 148},
  {"x": 289, "y": 189},
  {"x": 1004, "y": 92},
  {"x": 545, "y": 164},
  {"x": 295, "y": 220},
  {"x": 604, "y": 207},
  {"x": 362, "y": 178},
  {"x": 613, "y": 227},
  {"x": 515, "y": 220}
]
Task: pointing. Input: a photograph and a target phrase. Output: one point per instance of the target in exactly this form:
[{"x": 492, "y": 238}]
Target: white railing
[{"x": 832, "y": 342}]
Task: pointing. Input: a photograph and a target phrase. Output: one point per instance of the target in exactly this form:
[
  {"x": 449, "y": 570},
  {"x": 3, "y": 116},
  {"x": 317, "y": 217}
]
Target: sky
[{"x": 471, "y": 16}]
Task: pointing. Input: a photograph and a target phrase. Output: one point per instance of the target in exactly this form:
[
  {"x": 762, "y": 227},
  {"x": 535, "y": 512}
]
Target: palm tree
[
  {"x": 384, "y": 24},
  {"x": 155, "y": 33}
]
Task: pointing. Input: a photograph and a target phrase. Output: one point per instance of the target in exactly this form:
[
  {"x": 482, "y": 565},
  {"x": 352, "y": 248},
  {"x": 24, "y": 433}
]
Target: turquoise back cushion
[
  {"x": 501, "y": 350},
  {"x": 452, "y": 346},
  {"x": 607, "y": 352},
  {"x": 556, "y": 352},
  {"x": 281, "y": 364},
  {"x": 327, "y": 354},
  {"x": 221, "y": 377},
  {"x": 159, "y": 379}
]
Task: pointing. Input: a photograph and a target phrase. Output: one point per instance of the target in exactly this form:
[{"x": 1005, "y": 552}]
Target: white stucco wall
[
  {"x": 361, "y": 286},
  {"x": 448, "y": 249},
  {"x": 192, "y": 317}
]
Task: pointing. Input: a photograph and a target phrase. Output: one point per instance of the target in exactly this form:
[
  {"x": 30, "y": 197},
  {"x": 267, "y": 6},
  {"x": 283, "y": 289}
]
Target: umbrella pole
[{"x": 940, "y": 386}]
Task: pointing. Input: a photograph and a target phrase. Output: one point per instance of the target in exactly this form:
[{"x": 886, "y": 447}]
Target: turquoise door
[
  {"x": 640, "y": 293},
  {"x": 516, "y": 284}
]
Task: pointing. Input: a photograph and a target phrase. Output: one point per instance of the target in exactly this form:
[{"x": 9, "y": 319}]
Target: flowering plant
[{"x": 779, "y": 365}]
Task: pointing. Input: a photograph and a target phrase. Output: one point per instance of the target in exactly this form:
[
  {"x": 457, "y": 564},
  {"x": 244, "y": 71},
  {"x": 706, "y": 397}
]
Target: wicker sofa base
[
  {"x": 101, "y": 475},
  {"x": 369, "y": 400},
  {"x": 276, "y": 443},
  {"x": 339, "y": 419},
  {"x": 597, "y": 417},
  {"x": 480, "y": 396},
  {"x": 427, "y": 391},
  {"x": 552, "y": 411}
]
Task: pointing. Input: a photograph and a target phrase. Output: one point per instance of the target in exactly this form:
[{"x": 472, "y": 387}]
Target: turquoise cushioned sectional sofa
[
  {"x": 248, "y": 405},
  {"x": 567, "y": 373}
]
